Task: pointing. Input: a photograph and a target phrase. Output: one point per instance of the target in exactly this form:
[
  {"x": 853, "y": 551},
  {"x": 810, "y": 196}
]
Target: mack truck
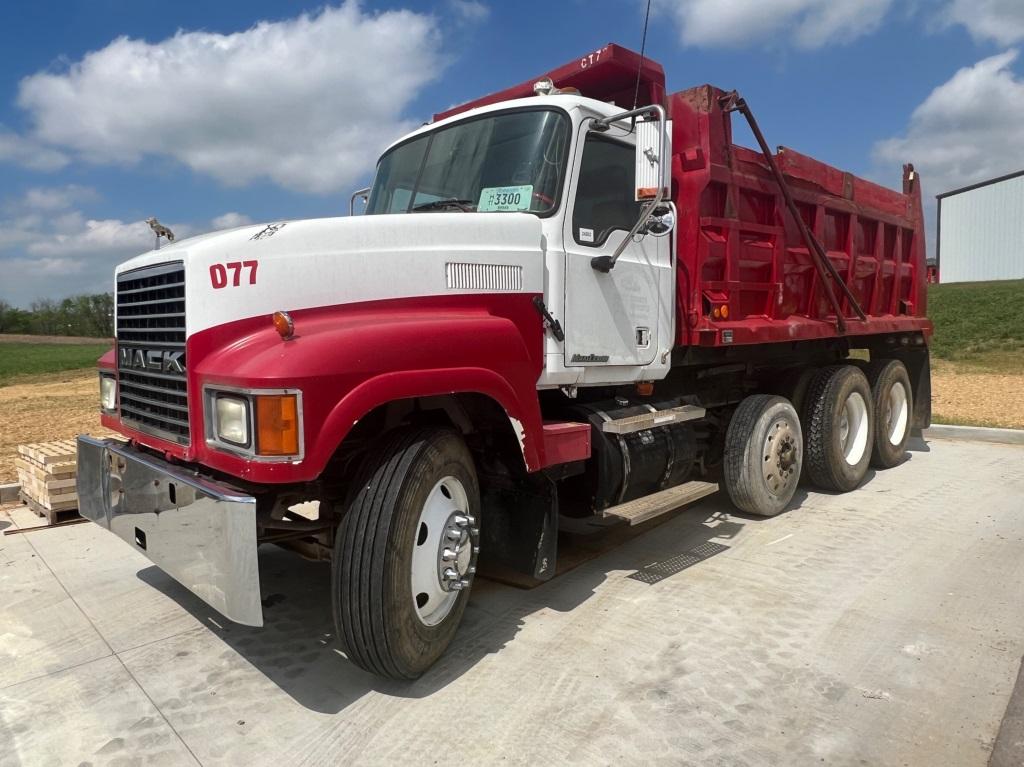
[{"x": 572, "y": 304}]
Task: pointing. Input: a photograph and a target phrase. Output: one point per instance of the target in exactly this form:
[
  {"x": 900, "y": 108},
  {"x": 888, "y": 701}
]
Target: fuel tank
[{"x": 628, "y": 466}]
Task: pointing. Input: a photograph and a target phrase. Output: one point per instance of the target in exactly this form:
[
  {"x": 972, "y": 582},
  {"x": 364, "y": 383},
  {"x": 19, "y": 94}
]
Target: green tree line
[{"x": 84, "y": 315}]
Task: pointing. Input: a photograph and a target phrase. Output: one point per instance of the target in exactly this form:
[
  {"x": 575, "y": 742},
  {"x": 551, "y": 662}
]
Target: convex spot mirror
[{"x": 662, "y": 220}]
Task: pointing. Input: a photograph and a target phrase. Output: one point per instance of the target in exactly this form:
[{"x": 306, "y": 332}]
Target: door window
[{"x": 604, "y": 195}]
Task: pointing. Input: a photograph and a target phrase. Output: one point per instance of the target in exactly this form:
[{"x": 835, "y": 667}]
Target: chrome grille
[{"x": 152, "y": 388}]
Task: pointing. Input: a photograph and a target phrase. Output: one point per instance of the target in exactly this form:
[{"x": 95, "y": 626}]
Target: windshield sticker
[{"x": 505, "y": 198}]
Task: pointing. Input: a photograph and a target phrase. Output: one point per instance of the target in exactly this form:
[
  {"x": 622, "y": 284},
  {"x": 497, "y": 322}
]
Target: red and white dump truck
[{"x": 558, "y": 311}]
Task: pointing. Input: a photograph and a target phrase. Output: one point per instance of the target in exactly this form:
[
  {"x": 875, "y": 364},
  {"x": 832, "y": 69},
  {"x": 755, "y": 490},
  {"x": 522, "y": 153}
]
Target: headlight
[
  {"x": 108, "y": 393},
  {"x": 264, "y": 424},
  {"x": 232, "y": 419}
]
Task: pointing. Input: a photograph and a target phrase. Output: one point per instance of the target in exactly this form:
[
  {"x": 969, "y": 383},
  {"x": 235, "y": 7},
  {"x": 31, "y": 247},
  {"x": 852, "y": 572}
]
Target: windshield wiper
[{"x": 449, "y": 203}]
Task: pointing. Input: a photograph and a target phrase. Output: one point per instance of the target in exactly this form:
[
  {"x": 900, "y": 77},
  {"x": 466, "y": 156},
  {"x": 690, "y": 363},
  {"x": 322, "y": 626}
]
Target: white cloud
[
  {"x": 470, "y": 11},
  {"x": 307, "y": 102},
  {"x": 51, "y": 249},
  {"x": 966, "y": 130},
  {"x": 229, "y": 221},
  {"x": 1001, "y": 21},
  {"x": 57, "y": 255},
  {"x": 809, "y": 23},
  {"x": 28, "y": 153},
  {"x": 74, "y": 235},
  {"x": 55, "y": 198}
]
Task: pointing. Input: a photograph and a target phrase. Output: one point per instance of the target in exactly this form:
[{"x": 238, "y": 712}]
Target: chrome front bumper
[{"x": 200, "y": 532}]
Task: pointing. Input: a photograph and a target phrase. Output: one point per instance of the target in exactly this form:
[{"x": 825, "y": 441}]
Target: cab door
[{"x": 621, "y": 320}]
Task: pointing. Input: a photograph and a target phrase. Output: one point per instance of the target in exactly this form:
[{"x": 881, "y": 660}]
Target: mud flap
[{"x": 519, "y": 530}]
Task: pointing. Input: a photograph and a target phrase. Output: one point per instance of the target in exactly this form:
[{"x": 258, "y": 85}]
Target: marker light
[
  {"x": 283, "y": 325},
  {"x": 277, "y": 424}
]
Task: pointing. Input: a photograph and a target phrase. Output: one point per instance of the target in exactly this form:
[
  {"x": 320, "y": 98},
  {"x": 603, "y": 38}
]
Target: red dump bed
[{"x": 737, "y": 244}]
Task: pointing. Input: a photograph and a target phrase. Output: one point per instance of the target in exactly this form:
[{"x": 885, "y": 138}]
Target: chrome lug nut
[
  {"x": 457, "y": 585},
  {"x": 448, "y": 555},
  {"x": 453, "y": 534},
  {"x": 450, "y": 574}
]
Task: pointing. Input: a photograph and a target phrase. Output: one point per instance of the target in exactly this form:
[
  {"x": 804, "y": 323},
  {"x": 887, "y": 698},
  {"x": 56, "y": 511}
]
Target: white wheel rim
[
  {"x": 897, "y": 413},
  {"x": 442, "y": 551},
  {"x": 853, "y": 428}
]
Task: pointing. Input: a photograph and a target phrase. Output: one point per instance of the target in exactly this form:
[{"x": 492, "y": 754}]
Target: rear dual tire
[
  {"x": 838, "y": 422},
  {"x": 894, "y": 406}
]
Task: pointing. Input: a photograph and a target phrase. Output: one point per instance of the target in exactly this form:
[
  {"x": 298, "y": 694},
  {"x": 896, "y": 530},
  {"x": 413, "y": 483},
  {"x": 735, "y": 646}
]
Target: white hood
[{"x": 329, "y": 261}]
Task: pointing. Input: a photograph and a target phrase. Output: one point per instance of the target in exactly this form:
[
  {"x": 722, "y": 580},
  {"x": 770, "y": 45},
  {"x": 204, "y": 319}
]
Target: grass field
[
  {"x": 979, "y": 325},
  {"x": 20, "y": 360}
]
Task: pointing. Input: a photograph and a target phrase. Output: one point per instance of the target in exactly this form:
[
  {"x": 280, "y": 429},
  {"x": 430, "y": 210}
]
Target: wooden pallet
[
  {"x": 46, "y": 472},
  {"x": 62, "y": 513}
]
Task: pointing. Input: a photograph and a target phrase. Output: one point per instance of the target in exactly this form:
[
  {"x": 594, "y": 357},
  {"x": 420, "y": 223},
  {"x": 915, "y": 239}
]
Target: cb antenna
[{"x": 643, "y": 45}]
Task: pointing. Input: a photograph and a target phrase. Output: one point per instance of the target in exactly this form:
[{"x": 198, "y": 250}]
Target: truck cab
[{"x": 551, "y": 156}]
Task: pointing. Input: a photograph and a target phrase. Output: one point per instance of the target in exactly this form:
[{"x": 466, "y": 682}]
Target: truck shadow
[{"x": 298, "y": 651}]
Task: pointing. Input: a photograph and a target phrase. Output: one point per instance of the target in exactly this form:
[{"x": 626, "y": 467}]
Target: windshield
[{"x": 513, "y": 161}]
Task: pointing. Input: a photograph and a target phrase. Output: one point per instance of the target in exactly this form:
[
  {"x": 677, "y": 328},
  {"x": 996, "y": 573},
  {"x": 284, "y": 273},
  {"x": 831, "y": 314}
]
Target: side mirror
[
  {"x": 653, "y": 158},
  {"x": 650, "y": 148}
]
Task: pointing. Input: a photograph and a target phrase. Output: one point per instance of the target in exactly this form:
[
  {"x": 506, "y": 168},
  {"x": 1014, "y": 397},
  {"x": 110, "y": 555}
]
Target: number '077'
[{"x": 221, "y": 275}]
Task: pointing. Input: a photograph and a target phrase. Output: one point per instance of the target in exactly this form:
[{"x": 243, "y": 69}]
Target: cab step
[
  {"x": 654, "y": 505},
  {"x": 653, "y": 419}
]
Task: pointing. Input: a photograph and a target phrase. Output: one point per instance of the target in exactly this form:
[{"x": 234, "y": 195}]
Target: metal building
[{"x": 981, "y": 231}]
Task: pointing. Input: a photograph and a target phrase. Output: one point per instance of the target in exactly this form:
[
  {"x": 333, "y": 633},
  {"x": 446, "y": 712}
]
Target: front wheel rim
[
  {"x": 897, "y": 413},
  {"x": 853, "y": 428},
  {"x": 444, "y": 551}
]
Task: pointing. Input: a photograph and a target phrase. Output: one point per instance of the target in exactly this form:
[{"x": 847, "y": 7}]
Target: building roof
[{"x": 980, "y": 184}]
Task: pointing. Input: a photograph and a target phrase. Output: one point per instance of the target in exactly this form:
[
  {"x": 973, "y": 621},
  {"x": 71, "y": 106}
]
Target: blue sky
[{"x": 209, "y": 114}]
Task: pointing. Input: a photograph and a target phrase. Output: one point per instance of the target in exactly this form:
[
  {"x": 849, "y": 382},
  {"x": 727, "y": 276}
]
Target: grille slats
[{"x": 151, "y": 350}]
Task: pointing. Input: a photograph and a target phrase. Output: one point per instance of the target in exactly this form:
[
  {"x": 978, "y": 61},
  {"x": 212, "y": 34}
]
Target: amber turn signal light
[
  {"x": 277, "y": 424},
  {"x": 283, "y": 325}
]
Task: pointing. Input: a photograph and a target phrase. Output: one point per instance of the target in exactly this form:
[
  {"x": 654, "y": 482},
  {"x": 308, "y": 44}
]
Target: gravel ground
[
  {"x": 962, "y": 396},
  {"x": 56, "y": 406}
]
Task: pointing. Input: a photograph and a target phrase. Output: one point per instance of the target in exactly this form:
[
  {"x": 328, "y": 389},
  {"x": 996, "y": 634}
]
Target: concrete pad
[
  {"x": 92, "y": 714},
  {"x": 882, "y": 626},
  {"x": 23, "y": 517},
  {"x": 101, "y": 572},
  {"x": 41, "y": 628}
]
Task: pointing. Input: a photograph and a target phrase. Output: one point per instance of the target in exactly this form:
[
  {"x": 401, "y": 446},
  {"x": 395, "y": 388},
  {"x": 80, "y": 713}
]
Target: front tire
[
  {"x": 763, "y": 455},
  {"x": 838, "y": 421},
  {"x": 405, "y": 552}
]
